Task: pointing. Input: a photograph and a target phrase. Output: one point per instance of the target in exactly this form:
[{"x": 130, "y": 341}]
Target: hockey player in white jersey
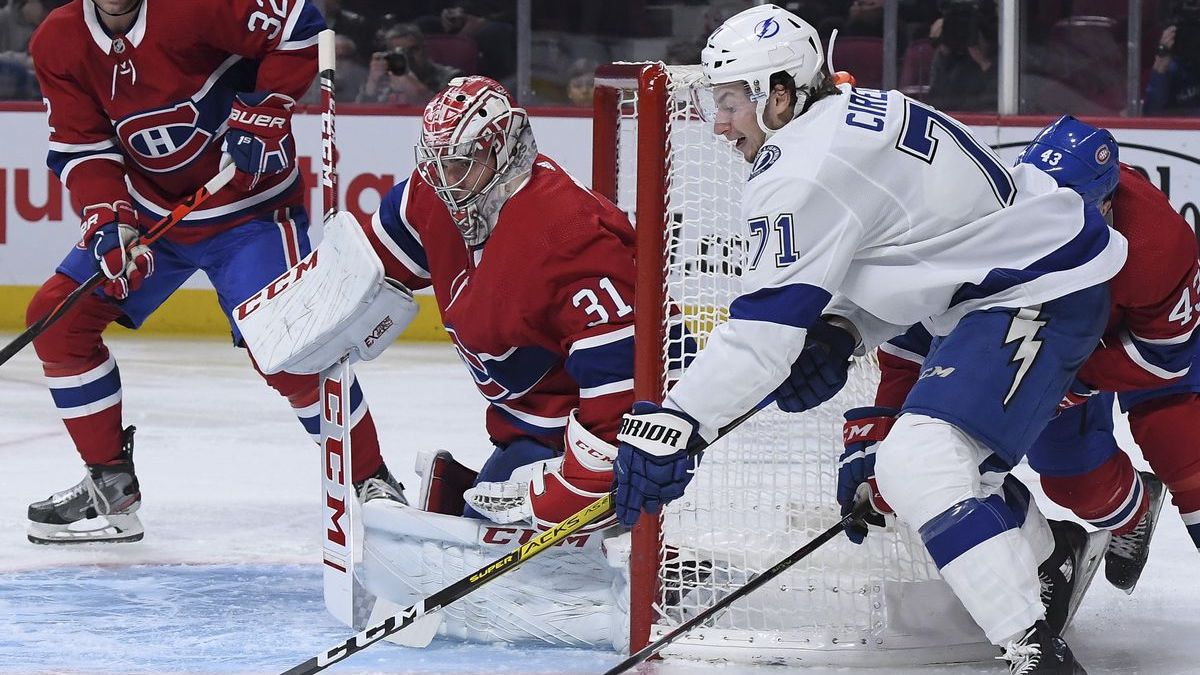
[{"x": 867, "y": 212}]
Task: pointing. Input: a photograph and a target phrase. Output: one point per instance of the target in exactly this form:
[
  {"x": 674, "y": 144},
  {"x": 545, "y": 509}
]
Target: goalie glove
[
  {"x": 547, "y": 492},
  {"x": 110, "y": 232},
  {"x": 863, "y": 430}
]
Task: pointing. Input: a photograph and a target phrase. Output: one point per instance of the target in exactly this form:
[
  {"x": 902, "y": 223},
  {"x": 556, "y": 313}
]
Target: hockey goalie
[{"x": 533, "y": 277}]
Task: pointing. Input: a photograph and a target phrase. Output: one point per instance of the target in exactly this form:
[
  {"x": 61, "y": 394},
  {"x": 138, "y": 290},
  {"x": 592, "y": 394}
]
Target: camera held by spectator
[
  {"x": 397, "y": 61},
  {"x": 1174, "y": 84}
]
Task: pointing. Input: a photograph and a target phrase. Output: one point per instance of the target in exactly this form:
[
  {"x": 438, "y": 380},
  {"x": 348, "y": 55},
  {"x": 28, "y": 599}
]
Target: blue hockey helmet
[{"x": 1078, "y": 156}]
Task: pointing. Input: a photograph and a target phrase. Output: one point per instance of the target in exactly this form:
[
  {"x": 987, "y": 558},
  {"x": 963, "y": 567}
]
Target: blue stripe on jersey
[
  {"x": 964, "y": 526},
  {"x": 602, "y": 364},
  {"x": 74, "y": 397},
  {"x": 529, "y": 427},
  {"x": 393, "y": 223},
  {"x": 57, "y": 161},
  {"x": 796, "y": 305},
  {"x": 311, "y": 424},
  {"x": 356, "y": 396},
  {"x": 309, "y": 24},
  {"x": 681, "y": 346},
  {"x": 1194, "y": 533},
  {"x": 1172, "y": 358},
  {"x": 916, "y": 340},
  {"x": 1091, "y": 240}
]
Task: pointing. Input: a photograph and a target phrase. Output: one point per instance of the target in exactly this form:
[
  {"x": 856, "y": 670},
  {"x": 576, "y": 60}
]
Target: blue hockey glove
[
  {"x": 259, "y": 139},
  {"x": 820, "y": 371},
  {"x": 864, "y": 428},
  {"x": 653, "y": 464},
  {"x": 110, "y": 232}
]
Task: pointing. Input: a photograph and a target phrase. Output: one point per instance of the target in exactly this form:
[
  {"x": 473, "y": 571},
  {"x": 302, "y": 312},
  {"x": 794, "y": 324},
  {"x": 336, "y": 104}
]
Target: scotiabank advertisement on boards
[{"x": 37, "y": 226}]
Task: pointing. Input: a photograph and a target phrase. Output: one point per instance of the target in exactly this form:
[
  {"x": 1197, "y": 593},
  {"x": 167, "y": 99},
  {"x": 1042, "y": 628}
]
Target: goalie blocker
[{"x": 334, "y": 302}]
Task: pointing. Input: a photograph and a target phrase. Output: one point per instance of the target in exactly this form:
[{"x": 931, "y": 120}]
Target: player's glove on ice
[
  {"x": 820, "y": 371},
  {"x": 653, "y": 464},
  {"x": 110, "y": 232},
  {"x": 864, "y": 428},
  {"x": 259, "y": 139}
]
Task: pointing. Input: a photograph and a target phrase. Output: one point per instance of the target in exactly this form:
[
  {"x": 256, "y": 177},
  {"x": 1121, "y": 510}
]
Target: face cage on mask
[{"x": 434, "y": 165}]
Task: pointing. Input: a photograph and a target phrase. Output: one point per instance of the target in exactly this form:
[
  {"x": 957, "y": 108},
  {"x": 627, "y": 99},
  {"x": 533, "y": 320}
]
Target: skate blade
[
  {"x": 106, "y": 529},
  {"x": 1155, "y": 512},
  {"x": 1086, "y": 568}
]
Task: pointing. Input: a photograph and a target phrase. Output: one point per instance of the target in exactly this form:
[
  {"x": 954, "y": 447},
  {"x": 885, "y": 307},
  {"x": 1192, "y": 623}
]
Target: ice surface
[{"x": 227, "y": 579}]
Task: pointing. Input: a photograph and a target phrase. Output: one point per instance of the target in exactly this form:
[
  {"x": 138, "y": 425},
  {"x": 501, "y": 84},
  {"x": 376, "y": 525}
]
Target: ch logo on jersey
[
  {"x": 507, "y": 376},
  {"x": 767, "y": 28},
  {"x": 166, "y": 139}
]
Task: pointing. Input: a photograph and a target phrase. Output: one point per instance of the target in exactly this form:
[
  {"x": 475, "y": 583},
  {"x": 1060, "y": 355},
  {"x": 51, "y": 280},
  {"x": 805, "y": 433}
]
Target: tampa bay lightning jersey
[{"x": 880, "y": 209}]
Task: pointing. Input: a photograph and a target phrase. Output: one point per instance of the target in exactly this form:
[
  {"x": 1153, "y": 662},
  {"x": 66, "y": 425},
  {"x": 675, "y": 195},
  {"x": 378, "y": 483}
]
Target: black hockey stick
[
  {"x": 859, "y": 511},
  {"x": 479, "y": 577},
  {"x": 152, "y": 235}
]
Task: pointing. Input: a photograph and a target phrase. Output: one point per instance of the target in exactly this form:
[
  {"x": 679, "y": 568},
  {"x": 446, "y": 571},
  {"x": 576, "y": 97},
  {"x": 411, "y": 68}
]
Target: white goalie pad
[
  {"x": 333, "y": 302},
  {"x": 575, "y": 595}
]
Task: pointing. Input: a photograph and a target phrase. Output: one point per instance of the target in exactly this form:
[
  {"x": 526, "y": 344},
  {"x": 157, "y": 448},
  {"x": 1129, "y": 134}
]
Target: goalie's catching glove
[
  {"x": 110, "y": 232},
  {"x": 547, "y": 492},
  {"x": 863, "y": 430},
  {"x": 653, "y": 463},
  {"x": 820, "y": 371}
]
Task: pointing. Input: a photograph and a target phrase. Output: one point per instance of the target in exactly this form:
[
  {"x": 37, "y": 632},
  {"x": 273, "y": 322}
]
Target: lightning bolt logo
[{"x": 1023, "y": 328}]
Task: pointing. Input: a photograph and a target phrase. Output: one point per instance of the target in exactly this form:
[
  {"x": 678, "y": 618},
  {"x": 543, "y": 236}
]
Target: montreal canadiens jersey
[
  {"x": 1151, "y": 335},
  {"x": 141, "y": 115},
  {"x": 877, "y": 208},
  {"x": 541, "y": 314}
]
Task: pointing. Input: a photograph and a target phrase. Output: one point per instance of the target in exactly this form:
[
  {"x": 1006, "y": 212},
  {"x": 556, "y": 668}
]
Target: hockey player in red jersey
[
  {"x": 533, "y": 275},
  {"x": 144, "y": 98},
  {"x": 1145, "y": 357}
]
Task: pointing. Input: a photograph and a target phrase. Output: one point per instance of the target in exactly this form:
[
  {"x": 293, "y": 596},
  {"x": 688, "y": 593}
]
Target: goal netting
[{"x": 769, "y": 487}]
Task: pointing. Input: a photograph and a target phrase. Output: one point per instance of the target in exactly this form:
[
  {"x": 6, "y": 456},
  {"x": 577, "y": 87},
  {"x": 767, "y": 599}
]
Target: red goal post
[{"x": 769, "y": 487}]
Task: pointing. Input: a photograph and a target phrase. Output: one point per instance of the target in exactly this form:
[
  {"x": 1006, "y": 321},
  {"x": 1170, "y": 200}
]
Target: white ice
[{"x": 227, "y": 579}]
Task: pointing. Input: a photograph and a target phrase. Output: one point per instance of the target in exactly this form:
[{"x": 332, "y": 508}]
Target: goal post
[{"x": 769, "y": 486}]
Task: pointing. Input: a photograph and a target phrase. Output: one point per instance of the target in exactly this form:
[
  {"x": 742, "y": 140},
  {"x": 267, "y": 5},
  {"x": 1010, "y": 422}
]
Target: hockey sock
[
  {"x": 301, "y": 393},
  {"x": 1110, "y": 497},
  {"x": 83, "y": 377},
  {"x": 1166, "y": 429}
]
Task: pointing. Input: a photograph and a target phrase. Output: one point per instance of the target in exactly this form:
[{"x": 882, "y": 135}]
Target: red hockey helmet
[{"x": 474, "y": 142}]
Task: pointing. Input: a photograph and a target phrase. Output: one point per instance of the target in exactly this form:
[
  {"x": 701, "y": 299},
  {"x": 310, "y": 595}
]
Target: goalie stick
[
  {"x": 468, "y": 584},
  {"x": 860, "y": 510},
  {"x": 153, "y": 233}
]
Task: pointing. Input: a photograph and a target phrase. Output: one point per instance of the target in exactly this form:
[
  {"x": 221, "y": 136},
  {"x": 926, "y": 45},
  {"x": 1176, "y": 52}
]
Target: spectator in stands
[
  {"x": 496, "y": 38},
  {"x": 353, "y": 25},
  {"x": 404, "y": 73},
  {"x": 17, "y": 22},
  {"x": 963, "y": 75},
  {"x": 582, "y": 82},
  {"x": 1174, "y": 85}
]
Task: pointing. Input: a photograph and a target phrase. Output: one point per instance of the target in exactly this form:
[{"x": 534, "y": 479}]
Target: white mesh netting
[{"x": 769, "y": 487}]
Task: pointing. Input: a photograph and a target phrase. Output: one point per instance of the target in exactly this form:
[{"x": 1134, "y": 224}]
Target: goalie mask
[
  {"x": 476, "y": 149},
  {"x": 754, "y": 44}
]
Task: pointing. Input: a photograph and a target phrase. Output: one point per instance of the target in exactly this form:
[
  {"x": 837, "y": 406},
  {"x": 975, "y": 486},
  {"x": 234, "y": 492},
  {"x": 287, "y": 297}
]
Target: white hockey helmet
[
  {"x": 473, "y": 117},
  {"x": 758, "y": 42}
]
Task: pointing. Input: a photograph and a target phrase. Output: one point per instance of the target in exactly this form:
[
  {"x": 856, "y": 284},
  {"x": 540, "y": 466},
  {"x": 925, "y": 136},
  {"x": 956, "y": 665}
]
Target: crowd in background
[{"x": 1073, "y": 53}]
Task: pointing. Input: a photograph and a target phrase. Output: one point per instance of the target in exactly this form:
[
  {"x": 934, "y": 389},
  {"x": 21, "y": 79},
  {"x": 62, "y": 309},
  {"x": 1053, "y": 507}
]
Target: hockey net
[{"x": 769, "y": 487}]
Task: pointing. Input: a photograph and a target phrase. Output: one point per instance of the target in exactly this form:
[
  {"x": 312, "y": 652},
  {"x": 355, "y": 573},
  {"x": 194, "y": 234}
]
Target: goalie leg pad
[{"x": 443, "y": 481}]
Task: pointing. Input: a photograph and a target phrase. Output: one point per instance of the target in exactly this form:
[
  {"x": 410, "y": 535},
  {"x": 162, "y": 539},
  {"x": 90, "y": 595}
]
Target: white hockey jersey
[{"x": 875, "y": 207}]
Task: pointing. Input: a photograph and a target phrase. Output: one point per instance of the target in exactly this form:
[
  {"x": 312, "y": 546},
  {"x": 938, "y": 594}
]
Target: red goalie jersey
[
  {"x": 541, "y": 313},
  {"x": 152, "y": 105}
]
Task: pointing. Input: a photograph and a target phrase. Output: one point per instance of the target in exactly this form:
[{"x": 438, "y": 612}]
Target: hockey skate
[
  {"x": 1127, "y": 554},
  {"x": 1067, "y": 573},
  {"x": 1040, "y": 652},
  {"x": 381, "y": 485},
  {"x": 101, "y": 507}
]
